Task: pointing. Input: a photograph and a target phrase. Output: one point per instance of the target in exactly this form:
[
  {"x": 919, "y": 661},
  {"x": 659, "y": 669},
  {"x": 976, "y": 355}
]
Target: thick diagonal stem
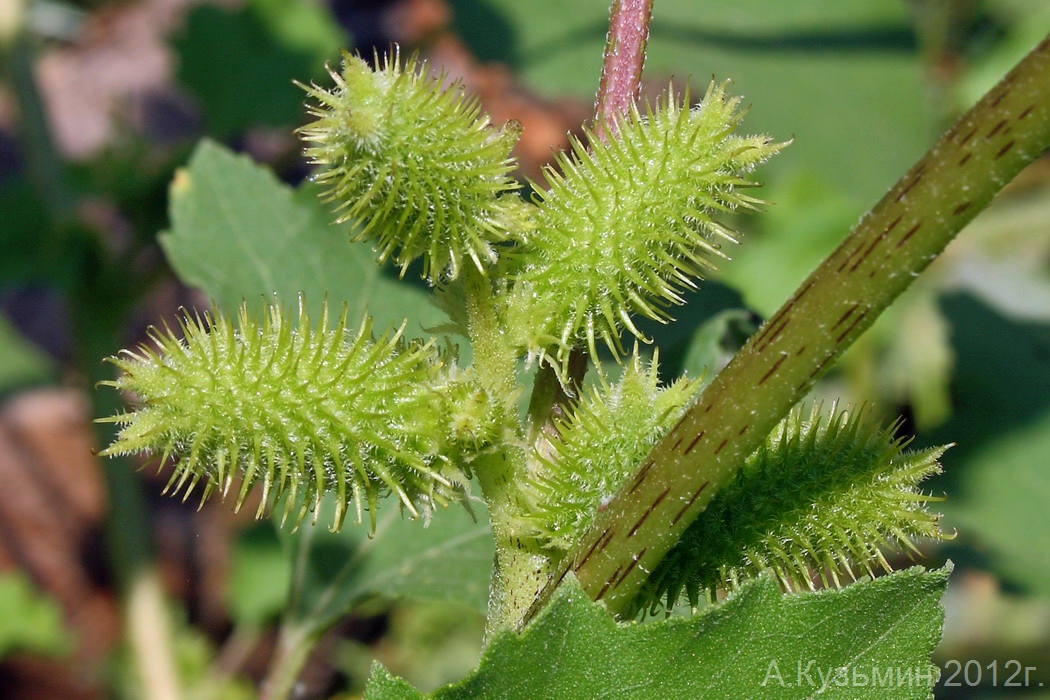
[{"x": 891, "y": 245}]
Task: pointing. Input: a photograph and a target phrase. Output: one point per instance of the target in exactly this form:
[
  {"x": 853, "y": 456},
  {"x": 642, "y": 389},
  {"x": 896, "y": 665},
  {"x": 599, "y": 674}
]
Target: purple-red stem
[{"x": 623, "y": 61}]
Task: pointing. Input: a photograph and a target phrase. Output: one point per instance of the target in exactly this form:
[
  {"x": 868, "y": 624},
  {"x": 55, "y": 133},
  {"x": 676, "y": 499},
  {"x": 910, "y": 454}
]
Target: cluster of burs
[{"x": 620, "y": 230}]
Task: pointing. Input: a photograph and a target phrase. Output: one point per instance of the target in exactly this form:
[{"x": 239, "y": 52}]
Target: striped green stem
[{"x": 890, "y": 246}]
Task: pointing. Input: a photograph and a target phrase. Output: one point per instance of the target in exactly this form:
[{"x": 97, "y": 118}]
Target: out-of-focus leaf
[
  {"x": 22, "y": 235},
  {"x": 1023, "y": 24},
  {"x": 430, "y": 645},
  {"x": 23, "y": 364},
  {"x": 710, "y": 315},
  {"x": 29, "y": 621},
  {"x": 240, "y": 65},
  {"x": 260, "y": 575},
  {"x": 759, "y": 643},
  {"x": 996, "y": 476},
  {"x": 302, "y": 26},
  {"x": 806, "y": 218},
  {"x": 238, "y": 234},
  {"x": 715, "y": 342},
  {"x": 448, "y": 560},
  {"x": 920, "y": 360},
  {"x": 1002, "y": 256}
]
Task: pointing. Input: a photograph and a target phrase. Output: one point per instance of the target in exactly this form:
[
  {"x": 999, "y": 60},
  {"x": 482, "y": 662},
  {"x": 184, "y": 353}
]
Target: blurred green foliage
[
  {"x": 29, "y": 620},
  {"x": 240, "y": 64}
]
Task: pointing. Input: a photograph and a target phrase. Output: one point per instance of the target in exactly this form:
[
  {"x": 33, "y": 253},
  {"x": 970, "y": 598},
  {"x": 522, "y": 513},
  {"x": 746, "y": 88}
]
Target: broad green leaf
[
  {"x": 240, "y": 65},
  {"x": 239, "y": 234},
  {"x": 996, "y": 476},
  {"x": 447, "y": 560},
  {"x": 870, "y": 640},
  {"x": 29, "y": 621}
]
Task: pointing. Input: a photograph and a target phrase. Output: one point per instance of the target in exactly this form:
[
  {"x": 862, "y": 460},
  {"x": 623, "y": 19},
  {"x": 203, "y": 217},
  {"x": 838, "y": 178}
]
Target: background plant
[{"x": 668, "y": 359}]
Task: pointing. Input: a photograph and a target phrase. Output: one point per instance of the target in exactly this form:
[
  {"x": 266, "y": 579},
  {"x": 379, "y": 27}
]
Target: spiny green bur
[
  {"x": 823, "y": 494},
  {"x": 626, "y": 225},
  {"x": 598, "y": 445},
  {"x": 304, "y": 411},
  {"x": 417, "y": 167}
]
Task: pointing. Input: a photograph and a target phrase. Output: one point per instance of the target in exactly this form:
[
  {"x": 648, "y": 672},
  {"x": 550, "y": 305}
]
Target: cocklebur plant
[{"x": 601, "y": 482}]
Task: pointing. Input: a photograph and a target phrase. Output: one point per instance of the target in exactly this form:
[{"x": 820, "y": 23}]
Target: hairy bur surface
[
  {"x": 598, "y": 445},
  {"x": 416, "y": 165},
  {"x": 626, "y": 225},
  {"x": 823, "y": 496},
  {"x": 302, "y": 410},
  {"x": 826, "y": 493}
]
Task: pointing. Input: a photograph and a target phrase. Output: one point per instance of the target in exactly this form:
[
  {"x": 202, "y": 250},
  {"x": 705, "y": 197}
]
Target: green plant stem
[
  {"x": 521, "y": 567},
  {"x": 294, "y": 644},
  {"x": 295, "y": 638},
  {"x": 44, "y": 164},
  {"x": 890, "y": 246}
]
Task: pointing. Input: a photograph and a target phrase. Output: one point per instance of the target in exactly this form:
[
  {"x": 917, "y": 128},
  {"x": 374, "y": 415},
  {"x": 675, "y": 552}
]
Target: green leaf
[
  {"x": 758, "y": 643},
  {"x": 448, "y": 560},
  {"x": 382, "y": 685},
  {"x": 29, "y": 621},
  {"x": 240, "y": 65},
  {"x": 237, "y": 233}
]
